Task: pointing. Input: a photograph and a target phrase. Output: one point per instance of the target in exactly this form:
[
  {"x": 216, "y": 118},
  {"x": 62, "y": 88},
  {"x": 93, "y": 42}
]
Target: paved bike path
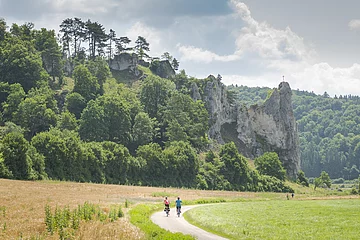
[{"x": 173, "y": 223}]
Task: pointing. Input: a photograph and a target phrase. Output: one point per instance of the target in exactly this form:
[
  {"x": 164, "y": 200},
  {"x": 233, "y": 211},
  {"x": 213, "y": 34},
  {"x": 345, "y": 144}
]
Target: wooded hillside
[{"x": 64, "y": 116}]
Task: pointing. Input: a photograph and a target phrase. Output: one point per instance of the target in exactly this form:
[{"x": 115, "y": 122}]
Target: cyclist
[
  {"x": 178, "y": 205},
  {"x": 167, "y": 204}
]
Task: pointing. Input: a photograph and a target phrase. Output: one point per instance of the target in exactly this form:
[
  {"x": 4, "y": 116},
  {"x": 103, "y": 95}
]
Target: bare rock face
[
  {"x": 220, "y": 111},
  {"x": 163, "y": 69},
  {"x": 270, "y": 127},
  {"x": 125, "y": 61}
]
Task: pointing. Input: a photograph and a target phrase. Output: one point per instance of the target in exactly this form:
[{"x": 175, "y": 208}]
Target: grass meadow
[
  {"x": 286, "y": 219},
  {"x": 23, "y": 215},
  {"x": 23, "y": 203}
]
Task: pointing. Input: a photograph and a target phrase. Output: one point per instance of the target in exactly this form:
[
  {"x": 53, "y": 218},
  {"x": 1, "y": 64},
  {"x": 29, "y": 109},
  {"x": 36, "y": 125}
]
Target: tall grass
[{"x": 65, "y": 222}]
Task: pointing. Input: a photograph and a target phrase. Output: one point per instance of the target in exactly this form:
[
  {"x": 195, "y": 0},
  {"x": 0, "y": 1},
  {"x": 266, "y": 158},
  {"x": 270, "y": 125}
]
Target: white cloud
[
  {"x": 354, "y": 24},
  {"x": 318, "y": 78},
  {"x": 322, "y": 77},
  {"x": 150, "y": 34},
  {"x": 259, "y": 38},
  {"x": 200, "y": 55},
  {"x": 266, "y": 41},
  {"x": 283, "y": 52}
]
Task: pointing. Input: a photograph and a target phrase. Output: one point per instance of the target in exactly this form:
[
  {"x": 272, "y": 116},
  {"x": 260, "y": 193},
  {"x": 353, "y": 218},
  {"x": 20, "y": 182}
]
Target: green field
[{"x": 306, "y": 219}]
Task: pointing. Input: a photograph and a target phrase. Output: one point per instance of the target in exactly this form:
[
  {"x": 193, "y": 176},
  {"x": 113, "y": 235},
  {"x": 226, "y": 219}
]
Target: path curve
[{"x": 173, "y": 223}]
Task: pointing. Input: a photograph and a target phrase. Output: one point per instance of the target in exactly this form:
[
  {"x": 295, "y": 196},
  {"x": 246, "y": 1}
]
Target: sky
[{"x": 314, "y": 44}]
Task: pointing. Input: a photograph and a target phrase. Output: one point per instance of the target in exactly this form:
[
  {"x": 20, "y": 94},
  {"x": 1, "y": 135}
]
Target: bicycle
[
  {"x": 178, "y": 211},
  {"x": 167, "y": 210}
]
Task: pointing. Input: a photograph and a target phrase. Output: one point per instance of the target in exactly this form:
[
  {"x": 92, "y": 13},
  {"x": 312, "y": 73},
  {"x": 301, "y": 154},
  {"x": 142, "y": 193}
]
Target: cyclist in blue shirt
[{"x": 178, "y": 204}]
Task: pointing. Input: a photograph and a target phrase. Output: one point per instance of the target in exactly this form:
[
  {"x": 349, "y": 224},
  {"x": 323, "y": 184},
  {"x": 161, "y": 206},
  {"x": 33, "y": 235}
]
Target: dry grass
[{"x": 25, "y": 203}]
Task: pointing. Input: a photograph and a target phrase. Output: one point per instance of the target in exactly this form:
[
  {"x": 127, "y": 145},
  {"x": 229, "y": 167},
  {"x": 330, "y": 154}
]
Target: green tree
[
  {"x": 4, "y": 171},
  {"x": 95, "y": 158},
  {"x": 63, "y": 154},
  {"x": 235, "y": 168},
  {"x": 143, "y": 130},
  {"x": 130, "y": 95},
  {"x": 10, "y": 127},
  {"x": 317, "y": 182},
  {"x": 121, "y": 45},
  {"x": 66, "y": 27},
  {"x": 117, "y": 163},
  {"x": 210, "y": 173},
  {"x": 24, "y": 32},
  {"x": 38, "y": 163},
  {"x": 106, "y": 118},
  {"x": 14, "y": 147},
  {"x": 182, "y": 164},
  {"x": 111, "y": 39},
  {"x": 35, "y": 116},
  {"x": 85, "y": 83},
  {"x": 21, "y": 63},
  {"x": 270, "y": 164},
  {"x": 75, "y": 103},
  {"x": 67, "y": 121},
  {"x": 99, "y": 69},
  {"x": 167, "y": 56},
  {"x": 73, "y": 31},
  {"x": 2, "y": 29},
  {"x": 96, "y": 36},
  {"x": 175, "y": 64},
  {"x": 325, "y": 178},
  {"x": 301, "y": 179},
  {"x": 176, "y": 132},
  {"x": 92, "y": 124},
  {"x": 154, "y": 93},
  {"x": 45, "y": 42},
  {"x": 14, "y": 94},
  {"x": 155, "y": 167},
  {"x": 185, "y": 119},
  {"x": 141, "y": 47}
]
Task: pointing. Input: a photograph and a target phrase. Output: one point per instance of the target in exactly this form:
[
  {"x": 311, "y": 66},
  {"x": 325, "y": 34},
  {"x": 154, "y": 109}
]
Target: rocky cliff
[
  {"x": 258, "y": 129},
  {"x": 125, "y": 61}
]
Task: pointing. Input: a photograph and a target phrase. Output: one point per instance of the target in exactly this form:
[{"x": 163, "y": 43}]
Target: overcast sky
[{"x": 315, "y": 44}]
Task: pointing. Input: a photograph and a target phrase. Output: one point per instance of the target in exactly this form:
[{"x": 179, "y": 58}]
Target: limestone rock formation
[
  {"x": 125, "y": 61},
  {"x": 162, "y": 68},
  {"x": 258, "y": 129}
]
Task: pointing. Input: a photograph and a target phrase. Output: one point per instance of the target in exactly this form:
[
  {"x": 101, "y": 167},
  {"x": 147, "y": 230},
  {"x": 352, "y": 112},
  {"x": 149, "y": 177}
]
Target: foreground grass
[
  {"x": 308, "y": 219},
  {"x": 22, "y": 206}
]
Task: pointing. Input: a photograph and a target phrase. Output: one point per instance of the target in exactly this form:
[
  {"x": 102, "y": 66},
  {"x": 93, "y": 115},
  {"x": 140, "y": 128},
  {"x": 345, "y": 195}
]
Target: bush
[
  {"x": 273, "y": 184},
  {"x": 301, "y": 179},
  {"x": 353, "y": 191}
]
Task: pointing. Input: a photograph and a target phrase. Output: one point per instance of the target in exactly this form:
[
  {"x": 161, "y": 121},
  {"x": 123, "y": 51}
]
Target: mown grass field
[{"x": 286, "y": 219}]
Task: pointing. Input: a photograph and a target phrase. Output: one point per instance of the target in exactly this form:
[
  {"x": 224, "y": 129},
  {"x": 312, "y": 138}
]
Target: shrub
[{"x": 273, "y": 184}]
